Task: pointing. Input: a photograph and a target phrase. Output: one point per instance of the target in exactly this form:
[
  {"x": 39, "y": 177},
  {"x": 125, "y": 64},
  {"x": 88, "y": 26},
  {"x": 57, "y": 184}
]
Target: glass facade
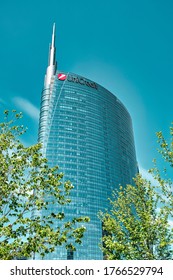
[{"x": 88, "y": 132}]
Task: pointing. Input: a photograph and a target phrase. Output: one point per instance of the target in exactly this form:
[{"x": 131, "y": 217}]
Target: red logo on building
[{"x": 62, "y": 77}]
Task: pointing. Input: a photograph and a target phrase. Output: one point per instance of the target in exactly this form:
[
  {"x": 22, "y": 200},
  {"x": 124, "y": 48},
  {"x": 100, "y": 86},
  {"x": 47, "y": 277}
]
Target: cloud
[
  {"x": 2, "y": 102},
  {"x": 170, "y": 222},
  {"x": 27, "y": 107},
  {"x": 146, "y": 175}
]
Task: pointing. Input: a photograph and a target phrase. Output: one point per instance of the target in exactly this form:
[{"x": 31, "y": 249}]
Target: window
[{"x": 69, "y": 254}]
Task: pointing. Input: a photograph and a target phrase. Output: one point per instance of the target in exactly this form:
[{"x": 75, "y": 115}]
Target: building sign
[
  {"x": 62, "y": 77},
  {"x": 76, "y": 79}
]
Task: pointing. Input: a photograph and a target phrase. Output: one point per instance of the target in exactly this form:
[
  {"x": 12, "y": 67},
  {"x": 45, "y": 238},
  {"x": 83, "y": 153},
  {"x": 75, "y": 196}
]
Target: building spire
[
  {"x": 53, "y": 35},
  {"x": 51, "y": 69}
]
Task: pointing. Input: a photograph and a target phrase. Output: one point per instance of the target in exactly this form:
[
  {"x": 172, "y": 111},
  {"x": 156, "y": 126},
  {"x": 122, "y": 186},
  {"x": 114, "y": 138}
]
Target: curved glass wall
[{"x": 88, "y": 132}]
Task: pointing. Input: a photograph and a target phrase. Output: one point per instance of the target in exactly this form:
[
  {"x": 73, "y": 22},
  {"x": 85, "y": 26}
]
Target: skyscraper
[{"x": 87, "y": 131}]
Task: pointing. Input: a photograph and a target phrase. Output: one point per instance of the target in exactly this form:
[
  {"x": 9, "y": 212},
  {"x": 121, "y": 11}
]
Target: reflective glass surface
[{"x": 88, "y": 132}]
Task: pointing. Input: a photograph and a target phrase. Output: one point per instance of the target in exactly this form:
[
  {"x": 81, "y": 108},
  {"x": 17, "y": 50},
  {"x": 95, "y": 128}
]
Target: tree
[
  {"x": 28, "y": 186},
  {"x": 137, "y": 227}
]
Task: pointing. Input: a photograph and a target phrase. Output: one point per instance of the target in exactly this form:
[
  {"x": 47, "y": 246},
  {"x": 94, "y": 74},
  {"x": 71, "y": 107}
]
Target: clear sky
[{"x": 126, "y": 46}]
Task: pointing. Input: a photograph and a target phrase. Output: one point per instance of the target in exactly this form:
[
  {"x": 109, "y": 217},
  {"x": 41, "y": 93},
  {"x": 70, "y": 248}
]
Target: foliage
[
  {"x": 137, "y": 227},
  {"x": 28, "y": 187}
]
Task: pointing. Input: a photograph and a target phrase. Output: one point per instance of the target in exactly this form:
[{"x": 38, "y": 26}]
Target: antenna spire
[
  {"x": 51, "y": 69},
  {"x": 53, "y": 35}
]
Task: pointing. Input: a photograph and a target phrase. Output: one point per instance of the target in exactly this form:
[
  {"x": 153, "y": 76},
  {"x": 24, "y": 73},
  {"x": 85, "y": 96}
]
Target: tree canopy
[
  {"x": 138, "y": 225},
  {"x": 28, "y": 186}
]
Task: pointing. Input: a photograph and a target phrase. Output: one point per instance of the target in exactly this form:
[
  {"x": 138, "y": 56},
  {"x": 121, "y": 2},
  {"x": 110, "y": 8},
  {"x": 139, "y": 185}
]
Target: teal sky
[{"x": 126, "y": 46}]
